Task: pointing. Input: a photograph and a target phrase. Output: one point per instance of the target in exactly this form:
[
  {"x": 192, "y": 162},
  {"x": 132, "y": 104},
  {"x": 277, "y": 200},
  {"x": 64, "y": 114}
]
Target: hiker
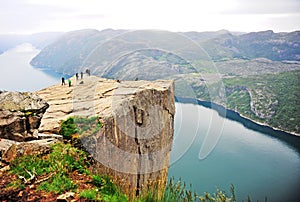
[
  {"x": 69, "y": 81},
  {"x": 88, "y": 72},
  {"x": 81, "y": 75},
  {"x": 63, "y": 81},
  {"x": 77, "y": 76}
]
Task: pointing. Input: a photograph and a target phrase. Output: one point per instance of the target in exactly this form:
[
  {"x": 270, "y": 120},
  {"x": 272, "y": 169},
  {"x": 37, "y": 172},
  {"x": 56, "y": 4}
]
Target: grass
[
  {"x": 179, "y": 191},
  {"x": 90, "y": 194},
  {"x": 105, "y": 190},
  {"x": 58, "y": 184},
  {"x": 79, "y": 125},
  {"x": 63, "y": 160}
]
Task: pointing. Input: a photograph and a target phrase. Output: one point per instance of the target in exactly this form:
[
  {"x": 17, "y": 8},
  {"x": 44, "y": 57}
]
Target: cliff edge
[{"x": 134, "y": 143}]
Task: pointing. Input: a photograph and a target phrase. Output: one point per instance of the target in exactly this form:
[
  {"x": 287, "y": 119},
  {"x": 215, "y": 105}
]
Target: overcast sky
[{"x": 31, "y": 16}]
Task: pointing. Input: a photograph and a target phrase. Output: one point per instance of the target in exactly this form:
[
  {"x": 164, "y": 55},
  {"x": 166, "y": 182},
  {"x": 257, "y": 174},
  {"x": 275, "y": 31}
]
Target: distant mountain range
[
  {"x": 256, "y": 74},
  {"x": 71, "y": 50}
]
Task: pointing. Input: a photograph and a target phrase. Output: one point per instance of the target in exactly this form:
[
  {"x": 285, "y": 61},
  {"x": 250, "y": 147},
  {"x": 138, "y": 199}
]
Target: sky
[{"x": 32, "y": 16}]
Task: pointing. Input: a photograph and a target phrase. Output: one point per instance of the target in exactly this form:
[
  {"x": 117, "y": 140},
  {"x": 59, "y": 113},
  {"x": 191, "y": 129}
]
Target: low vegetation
[
  {"x": 274, "y": 98},
  {"x": 66, "y": 168},
  {"x": 79, "y": 125},
  {"x": 58, "y": 172}
]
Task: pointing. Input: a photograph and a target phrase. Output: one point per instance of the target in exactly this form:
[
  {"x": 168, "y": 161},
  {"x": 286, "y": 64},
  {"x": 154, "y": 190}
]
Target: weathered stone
[
  {"x": 66, "y": 197},
  {"x": 134, "y": 143},
  {"x": 35, "y": 147},
  {"x": 21, "y": 101},
  {"x": 34, "y": 122},
  {"x": 5, "y": 144},
  {"x": 49, "y": 135},
  {"x": 20, "y": 115}
]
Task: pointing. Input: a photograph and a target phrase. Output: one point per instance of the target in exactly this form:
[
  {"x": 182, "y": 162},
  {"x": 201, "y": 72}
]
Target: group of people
[{"x": 87, "y": 71}]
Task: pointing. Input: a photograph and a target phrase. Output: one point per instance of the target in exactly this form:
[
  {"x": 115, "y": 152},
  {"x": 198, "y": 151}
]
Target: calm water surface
[
  {"x": 257, "y": 164},
  {"x": 18, "y": 75}
]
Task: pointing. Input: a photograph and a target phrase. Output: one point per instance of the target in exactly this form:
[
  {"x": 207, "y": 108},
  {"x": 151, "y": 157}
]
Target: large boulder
[{"x": 20, "y": 115}]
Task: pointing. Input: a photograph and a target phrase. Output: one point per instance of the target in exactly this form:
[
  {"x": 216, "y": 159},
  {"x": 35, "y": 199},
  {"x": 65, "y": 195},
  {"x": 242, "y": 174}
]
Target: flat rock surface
[{"x": 95, "y": 97}]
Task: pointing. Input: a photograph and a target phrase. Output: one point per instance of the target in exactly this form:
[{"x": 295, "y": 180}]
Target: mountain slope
[
  {"x": 68, "y": 53},
  {"x": 215, "y": 66}
]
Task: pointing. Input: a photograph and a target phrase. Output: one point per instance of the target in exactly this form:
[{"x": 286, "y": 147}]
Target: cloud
[
  {"x": 246, "y": 7},
  {"x": 28, "y": 16},
  {"x": 16, "y": 16}
]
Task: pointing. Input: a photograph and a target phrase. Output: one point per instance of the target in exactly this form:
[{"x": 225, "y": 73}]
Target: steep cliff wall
[{"x": 134, "y": 143}]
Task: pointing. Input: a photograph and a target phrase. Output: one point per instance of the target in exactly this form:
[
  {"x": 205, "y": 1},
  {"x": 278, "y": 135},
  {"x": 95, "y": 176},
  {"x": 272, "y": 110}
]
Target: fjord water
[
  {"x": 257, "y": 164},
  {"x": 18, "y": 75}
]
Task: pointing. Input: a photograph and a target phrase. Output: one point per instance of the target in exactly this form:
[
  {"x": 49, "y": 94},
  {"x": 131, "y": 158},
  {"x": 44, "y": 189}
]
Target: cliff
[{"x": 133, "y": 146}]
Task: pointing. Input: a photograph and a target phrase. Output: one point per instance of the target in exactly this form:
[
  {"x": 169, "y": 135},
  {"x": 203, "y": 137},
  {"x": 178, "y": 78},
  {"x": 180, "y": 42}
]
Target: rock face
[
  {"x": 134, "y": 143},
  {"x": 20, "y": 115}
]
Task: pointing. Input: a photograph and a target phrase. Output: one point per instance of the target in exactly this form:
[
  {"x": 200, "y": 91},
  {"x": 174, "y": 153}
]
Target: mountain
[
  {"x": 70, "y": 51},
  {"x": 264, "y": 44},
  {"x": 249, "y": 73},
  {"x": 39, "y": 40},
  {"x": 93, "y": 48}
]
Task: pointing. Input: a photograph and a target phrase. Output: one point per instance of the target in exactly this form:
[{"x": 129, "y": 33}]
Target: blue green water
[
  {"x": 257, "y": 164},
  {"x": 18, "y": 75}
]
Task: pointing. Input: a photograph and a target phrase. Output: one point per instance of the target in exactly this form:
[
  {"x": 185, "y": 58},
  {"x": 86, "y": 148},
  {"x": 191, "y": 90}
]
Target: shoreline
[{"x": 292, "y": 138}]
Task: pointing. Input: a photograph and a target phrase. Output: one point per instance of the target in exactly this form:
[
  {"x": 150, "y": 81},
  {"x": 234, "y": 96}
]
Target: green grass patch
[
  {"x": 79, "y": 125},
  {"x": 105, "y": 184},
  {"x": 105, "y": 190},
  {"x": 33, "y": 164},
  {"x": 180, "y": 191},
  {"x": 17, "y": 184},
  {"x": 90, "y": 194},
  {"x": 63, "y": 160},
  {"x": 58, "y": 184}
]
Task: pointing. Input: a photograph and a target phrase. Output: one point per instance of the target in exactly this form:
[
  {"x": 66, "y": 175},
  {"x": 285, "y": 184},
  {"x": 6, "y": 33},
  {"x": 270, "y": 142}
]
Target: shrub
[
  {"x": 79, "y": 125},
  {"x": 105, "y": 184},
  {"x": 68, "y": 128}
]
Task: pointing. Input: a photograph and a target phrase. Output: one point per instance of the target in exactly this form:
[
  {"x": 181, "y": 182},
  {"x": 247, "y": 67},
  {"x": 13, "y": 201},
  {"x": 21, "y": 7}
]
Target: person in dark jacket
[{"x": 63, "y": 81}]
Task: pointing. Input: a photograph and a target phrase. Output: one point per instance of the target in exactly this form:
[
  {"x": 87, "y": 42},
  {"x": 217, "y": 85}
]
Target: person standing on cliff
[
  {"x": 63, "y": 81},
  {"x": 69, "y": 81},
  {"x": 81, "y": 75},
  {"x": 77, "y": 76},
  {"x": 88, "y": 72}
]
